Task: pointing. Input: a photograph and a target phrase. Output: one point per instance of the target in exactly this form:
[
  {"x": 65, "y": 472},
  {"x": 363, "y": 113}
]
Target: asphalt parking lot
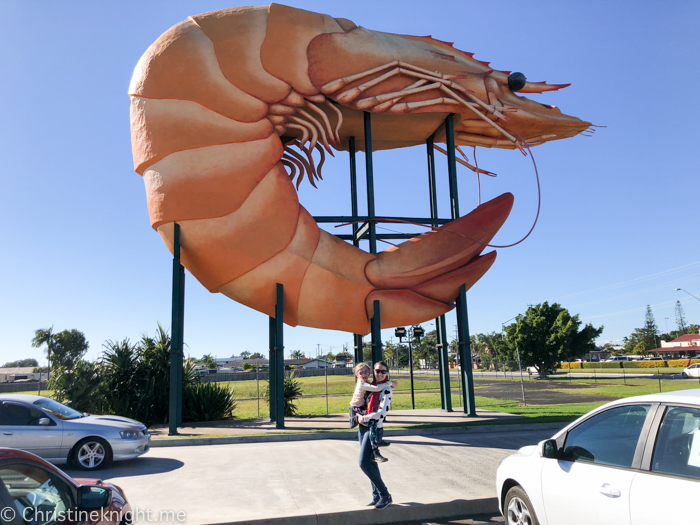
[{"x": 239, "y": 483}]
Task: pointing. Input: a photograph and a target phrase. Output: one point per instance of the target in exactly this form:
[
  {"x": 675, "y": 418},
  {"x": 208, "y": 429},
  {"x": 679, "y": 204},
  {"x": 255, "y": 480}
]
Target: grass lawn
[
  {"x": 427, "y": 395},
  {"x": 601, "y": 371}
]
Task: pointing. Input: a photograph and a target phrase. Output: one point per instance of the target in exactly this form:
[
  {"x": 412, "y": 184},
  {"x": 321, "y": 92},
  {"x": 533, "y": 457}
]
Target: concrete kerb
[
  {"x": 403, "y": 513},
  {"x": 349, "y": 435}
]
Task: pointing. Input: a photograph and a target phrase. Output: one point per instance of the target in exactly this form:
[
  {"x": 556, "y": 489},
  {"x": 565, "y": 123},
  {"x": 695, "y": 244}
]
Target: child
[{"x": 358, "y": 406}]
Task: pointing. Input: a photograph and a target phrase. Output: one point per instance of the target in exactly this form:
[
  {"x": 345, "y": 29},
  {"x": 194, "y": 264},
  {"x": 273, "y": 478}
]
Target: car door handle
[{"x": 610, "y": 491}]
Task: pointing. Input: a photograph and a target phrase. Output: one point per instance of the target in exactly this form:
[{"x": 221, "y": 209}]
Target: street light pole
[{"x": 690, "y": 294}]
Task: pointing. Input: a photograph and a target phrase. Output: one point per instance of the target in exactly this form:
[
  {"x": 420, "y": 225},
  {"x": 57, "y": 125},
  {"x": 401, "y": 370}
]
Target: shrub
[
  {"x": 207, "y": 402},
  {"x": 632, "y": 364},
  {"x": 693, "y": 361},
  {"x": 651, "y": 364},
  {"x": 679, "y": 363},
  {"x": 613, "y": 364},
  {"x": 79, "y": 386},
  {"x": 565, "y": 366},
  {"x": 292, "y": 392},
  {"x": 575, "y": 366}
]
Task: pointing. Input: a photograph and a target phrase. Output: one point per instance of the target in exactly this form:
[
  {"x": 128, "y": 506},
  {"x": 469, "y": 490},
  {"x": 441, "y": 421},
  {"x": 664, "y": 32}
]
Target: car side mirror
[
  {"x": 92, "y": 497},
  {"x": 549, "y": 449},
  {"x": 44, "y": 422}
]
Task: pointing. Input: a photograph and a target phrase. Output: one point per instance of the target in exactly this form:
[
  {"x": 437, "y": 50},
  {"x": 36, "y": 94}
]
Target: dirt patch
[{"x": 536, "y": 392}]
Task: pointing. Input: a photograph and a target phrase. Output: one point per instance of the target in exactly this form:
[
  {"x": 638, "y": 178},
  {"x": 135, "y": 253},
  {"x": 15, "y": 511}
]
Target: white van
[{"x": 616, "y": 358}]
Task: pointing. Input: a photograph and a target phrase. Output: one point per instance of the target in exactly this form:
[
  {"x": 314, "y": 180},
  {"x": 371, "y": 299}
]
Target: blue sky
[{"x": 617, "y": 231}]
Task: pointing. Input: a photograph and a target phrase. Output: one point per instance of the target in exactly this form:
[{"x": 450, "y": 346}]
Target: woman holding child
[{"x": 368, "y": 408}]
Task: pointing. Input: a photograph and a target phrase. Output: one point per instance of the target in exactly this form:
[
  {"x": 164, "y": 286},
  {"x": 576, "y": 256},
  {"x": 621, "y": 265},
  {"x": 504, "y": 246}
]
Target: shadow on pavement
[{"x": 134, "y": 467}]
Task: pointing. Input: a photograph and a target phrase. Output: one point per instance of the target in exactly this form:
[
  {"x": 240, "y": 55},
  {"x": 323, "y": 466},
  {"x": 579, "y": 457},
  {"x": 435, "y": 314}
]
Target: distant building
[
  {"x": 687, "y": 345},
  {"x": 12, "y": 375}
]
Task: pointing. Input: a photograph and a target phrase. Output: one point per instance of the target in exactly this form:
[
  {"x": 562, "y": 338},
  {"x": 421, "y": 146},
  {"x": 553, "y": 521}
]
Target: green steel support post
[
  {"x": 279, "y": 354},
  {"x": 440, "y": 324},
  {"x": 176, "y": 337},
  {"x": 443, "y": 364},
  {"x": 376, "y": 324},
  {"x": 353, "y": 203},
  {"x": 465, "y": 353},
  {"x": 359, "y": 350},
  {"x": 272, "y": 368},
  {"x": 370, "y": 183},
  {"x": 452, "y": 166},
  {"x": 432, "y": 187},
  {"x": 181, "y": 343}
]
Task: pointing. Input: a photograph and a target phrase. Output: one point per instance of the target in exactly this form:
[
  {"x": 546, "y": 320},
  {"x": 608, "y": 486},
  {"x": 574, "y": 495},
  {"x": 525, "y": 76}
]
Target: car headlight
[{"x": 129, "y": 434}]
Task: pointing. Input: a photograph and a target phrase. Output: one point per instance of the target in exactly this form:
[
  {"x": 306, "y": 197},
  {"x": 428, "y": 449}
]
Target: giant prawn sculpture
[{"x": 227, "y": 109}]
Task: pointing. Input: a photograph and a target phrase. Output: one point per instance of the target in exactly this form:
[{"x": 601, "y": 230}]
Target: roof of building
[
  {"x": 688, "y": 338},
  {"x": 20, "y": 370}
]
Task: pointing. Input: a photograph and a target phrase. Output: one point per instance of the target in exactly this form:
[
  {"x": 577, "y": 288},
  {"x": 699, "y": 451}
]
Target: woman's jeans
[{"x": 369, "y": 467}]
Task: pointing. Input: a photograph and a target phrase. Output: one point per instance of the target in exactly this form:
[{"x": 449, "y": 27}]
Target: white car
[
  {"x": 617, "y": 465},
  {"x": 691, "y": 371}
]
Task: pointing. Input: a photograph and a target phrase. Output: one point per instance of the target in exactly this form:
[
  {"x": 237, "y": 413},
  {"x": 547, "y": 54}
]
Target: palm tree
[
  {"x": 297, "y": 354},
  {"x": 44, "y": 336}
]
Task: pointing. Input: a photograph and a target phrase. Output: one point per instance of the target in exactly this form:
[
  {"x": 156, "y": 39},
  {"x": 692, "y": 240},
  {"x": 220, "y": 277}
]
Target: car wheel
[
  {"x": 91, "y": 453},
  {"x": 518, "y": 508},
  {"x": 684, "y": 375}
]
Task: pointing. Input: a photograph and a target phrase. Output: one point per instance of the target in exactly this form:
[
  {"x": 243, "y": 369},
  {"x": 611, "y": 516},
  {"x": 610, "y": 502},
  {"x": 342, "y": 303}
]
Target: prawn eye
[{"x": 516, "y": 81}]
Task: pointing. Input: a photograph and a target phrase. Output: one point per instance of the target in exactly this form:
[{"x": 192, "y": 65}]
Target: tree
[
  {"x": 425, "y": 349},
  {"x": 44, "y": 336},
  {"x": 22, "y": 363},
  {"x": 245, "y": 355},
  {"x": 645, "y": 335},
  {"x": 680, "y": 318},
  {"x": 256, "y": 355},
  {"x": 207, "y": 361},
  {"x": 297, "y": 354},
  {"x": 67, "y": 348},
  {"x": 546, "y": 335}
]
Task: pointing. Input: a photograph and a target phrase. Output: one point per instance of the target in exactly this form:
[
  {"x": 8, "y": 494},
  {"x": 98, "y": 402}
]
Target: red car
[{"x": 34, "y": 492}]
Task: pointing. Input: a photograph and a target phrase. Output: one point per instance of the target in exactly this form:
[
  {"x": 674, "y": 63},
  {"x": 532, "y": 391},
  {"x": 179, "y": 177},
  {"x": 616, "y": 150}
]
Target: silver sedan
[{"x": 60, "y": 434}]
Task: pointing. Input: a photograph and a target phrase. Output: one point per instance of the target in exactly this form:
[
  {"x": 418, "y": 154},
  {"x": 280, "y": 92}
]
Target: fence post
[
  {"x": 624, "y": 377},
  {"x": 257, "y": 382},
  {"x": 522, "y": 382},
  {"x": 325, "y": 367},
  {"x": 658, "y": 375}
]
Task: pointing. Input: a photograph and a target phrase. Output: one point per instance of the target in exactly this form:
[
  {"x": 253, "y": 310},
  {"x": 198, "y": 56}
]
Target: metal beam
[
  {"x": 376, "y": 325},
  {"x": 359, "y": 350},
  {"x": 361, "y": 232},
  {"x": 272, "y": 381},
  {"x": 176, "y": 337},
  {"x": 443, "y": 364},
  {"x": 465, "y": 353},
  {"x": 370, "y": 183},
  {"x": 279, "y": 354},
  {"x": 342, "y": 219}
]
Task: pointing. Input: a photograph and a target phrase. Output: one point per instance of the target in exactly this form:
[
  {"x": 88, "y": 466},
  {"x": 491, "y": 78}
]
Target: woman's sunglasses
[{"x": 380, "y": 371}]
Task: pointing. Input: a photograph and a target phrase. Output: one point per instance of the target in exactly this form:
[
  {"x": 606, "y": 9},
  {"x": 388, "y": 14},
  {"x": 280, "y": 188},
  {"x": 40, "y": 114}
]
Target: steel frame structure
[{"x": 369, "y": 230}]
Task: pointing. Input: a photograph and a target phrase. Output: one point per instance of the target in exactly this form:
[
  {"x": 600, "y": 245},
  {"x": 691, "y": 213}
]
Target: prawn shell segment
[
  {"x": 162, "y": 127},
  {"x": 284, "y": 51},
  {"x": 237, "y": 35},
  {"x": 218, "y": 250},
  {"x": 207, "y": 182},
  {"x": 182, "y": 65}
]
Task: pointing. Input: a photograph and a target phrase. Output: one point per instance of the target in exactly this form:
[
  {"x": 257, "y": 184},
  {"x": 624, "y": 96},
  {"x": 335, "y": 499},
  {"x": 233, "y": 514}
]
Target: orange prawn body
[{"x": 229, "y": 107}]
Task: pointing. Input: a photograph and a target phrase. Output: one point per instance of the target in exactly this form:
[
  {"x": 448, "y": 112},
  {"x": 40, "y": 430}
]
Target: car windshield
[{"x": 57, "y": 409}]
